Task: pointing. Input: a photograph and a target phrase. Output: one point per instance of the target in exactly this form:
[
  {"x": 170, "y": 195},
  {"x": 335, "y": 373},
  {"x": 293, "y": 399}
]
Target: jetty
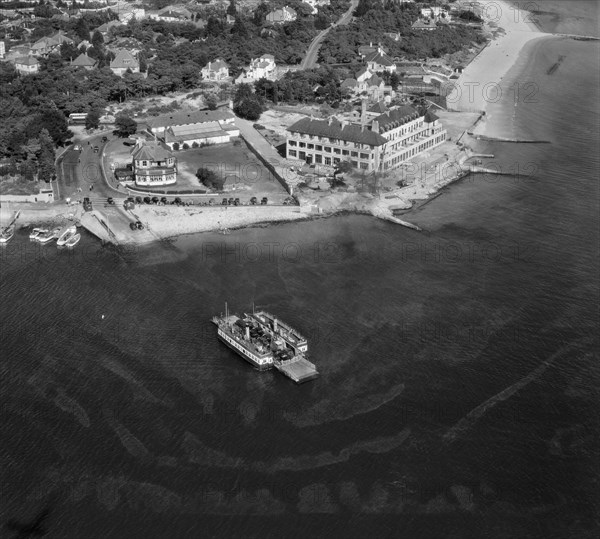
[{"x": 299, "y": 369}]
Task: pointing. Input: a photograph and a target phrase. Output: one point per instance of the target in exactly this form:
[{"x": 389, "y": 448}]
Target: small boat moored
[
  {"x": 73, "y": 240},
  {"x": 48, "y": 236},
  {"x": 7, "y": 234},
  {"x": 66, "y": 234},
  {"x": 36, "y": 232}
]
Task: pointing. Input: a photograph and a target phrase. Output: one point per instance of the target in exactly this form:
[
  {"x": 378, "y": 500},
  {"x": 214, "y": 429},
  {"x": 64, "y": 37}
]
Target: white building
[
  {"x": 381, "y": 143},
  {"x": 194, "y": 128},
  {"x": 217, "y": 70},
  {"x": 153, "y": 164},
  {"x": 263, "y": 67},
  {"x": 26, "y": 65}
]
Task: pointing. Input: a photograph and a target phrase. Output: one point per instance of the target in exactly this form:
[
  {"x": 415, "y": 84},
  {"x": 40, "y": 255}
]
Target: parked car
[
  {"x": 155, "y": 200},
  {"x": 211, "y": 202},
  {"x": 77, "y": 147},
  {"x": 224, "y": 202},
  {"x": 104, "y": 139},
  {"x": 139, "y": 225},
  {"x": 110, "y": 200},
  {"x": 177, "y": 201},
  {"x": 132, "y": 225},
  {"x": 253, "y": 200},
  {"x": 96, "y": 149},
  {"x": 147, "y": 200},
  {"x": 264, "y": 201},
  {"x": 87, "y": 204},
  {"x": 236, "y": 202},
  {"x": 138, "y": 200},
  {"x": 230, "y": 201}
]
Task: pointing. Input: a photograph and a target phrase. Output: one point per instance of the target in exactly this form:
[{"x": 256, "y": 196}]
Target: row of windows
[
  {"x": 324, "y": 160},
  {"x": 310, "y": 146},
  {"x": 245, "y": 351},
  {"x": 415, "y": 150}
]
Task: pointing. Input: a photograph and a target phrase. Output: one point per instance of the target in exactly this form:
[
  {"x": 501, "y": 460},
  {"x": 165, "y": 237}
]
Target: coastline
[{"x": 479, "y": 86}]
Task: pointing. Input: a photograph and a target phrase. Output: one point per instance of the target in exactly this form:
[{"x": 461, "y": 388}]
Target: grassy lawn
[
  {"x": 233, "y": 162},
  {"x": 13, "y": 186}
]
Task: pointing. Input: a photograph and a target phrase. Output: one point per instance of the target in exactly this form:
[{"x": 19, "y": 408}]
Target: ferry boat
[
  {"x": 36, "y": 232},
  {"x": 73, "y": 240},
  {"x": 266, "y": 342},
  {"x": 66, "y": 234},
  {"x": 7, "y": 234}
]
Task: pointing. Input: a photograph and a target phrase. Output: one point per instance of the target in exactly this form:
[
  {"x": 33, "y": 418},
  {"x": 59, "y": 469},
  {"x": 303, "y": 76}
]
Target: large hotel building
[{"x": 379, "y": 144}]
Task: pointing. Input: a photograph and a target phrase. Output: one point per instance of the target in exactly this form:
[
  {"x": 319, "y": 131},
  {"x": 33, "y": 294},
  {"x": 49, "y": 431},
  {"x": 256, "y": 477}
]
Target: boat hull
[{"x": 258, "y": 366}]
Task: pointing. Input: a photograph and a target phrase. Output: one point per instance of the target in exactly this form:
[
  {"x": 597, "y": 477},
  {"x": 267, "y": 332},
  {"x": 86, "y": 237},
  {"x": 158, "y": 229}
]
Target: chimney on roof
[
  {"x": 343, "y": 123},
  {"x": 363, "y": 111},
  {"x": 375, "y": 126},
  {"x": 330, "y": 120}
]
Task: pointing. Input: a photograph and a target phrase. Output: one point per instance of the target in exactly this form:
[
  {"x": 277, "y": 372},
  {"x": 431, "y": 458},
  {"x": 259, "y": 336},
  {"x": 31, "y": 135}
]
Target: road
[{"x": 312, "y": 53}]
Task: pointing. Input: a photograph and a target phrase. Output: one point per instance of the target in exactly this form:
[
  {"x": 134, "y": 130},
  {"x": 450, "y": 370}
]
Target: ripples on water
[{"x": 133, "y": 423}]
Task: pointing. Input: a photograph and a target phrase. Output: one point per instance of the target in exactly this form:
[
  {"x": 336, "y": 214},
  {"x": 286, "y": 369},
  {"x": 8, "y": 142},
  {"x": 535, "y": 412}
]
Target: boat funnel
[
  {"x": 274, "y": 324},
  {"x": 247, "y": 333}
]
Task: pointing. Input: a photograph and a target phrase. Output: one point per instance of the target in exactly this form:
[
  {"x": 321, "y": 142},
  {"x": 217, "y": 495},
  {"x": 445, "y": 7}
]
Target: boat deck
[{"x": 299, "y": 370}]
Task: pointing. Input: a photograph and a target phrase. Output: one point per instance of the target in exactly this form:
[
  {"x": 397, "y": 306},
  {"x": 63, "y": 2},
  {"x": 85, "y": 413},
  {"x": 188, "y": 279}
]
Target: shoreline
[{"x": 486, "y": 71}]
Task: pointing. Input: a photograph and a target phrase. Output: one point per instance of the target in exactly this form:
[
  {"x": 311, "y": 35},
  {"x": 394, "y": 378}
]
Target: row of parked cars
[{"x": 163, "y": 201}]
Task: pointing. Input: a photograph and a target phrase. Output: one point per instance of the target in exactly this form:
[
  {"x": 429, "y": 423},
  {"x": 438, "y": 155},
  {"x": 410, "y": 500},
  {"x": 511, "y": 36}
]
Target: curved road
[{"x": 310, "y": 59}]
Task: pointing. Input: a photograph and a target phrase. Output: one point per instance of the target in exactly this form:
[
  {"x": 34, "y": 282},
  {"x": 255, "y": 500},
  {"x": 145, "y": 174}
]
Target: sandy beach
[{"x": 480, "y": 84}]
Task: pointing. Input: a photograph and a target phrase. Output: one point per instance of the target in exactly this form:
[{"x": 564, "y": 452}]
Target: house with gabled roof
[
  {"x": 363, "y": 74},
  {"x": 104, "y": 28},
  {"x": 379, "y": 61},
  {"x": 217, "y": 70},
  {"x": 282, "y": 16},
  {"x": 84, "y": 61},
  {"x": 154, "y": 164},
  {"x": 123, "y": 61},
  {"x": 26, "y": 65},
  {"x": 263, "y": 67}
]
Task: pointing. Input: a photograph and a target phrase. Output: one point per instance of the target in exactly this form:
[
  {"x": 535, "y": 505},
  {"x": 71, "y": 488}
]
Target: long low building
[
  {"x": 379, "y": 144},
  {"x": 199, "y": 127}
]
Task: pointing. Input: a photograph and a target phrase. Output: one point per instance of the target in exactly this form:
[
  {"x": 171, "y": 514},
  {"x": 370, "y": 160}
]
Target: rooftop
[
  {"x": 183, "y": 118},
  {"x": 151, "y": 151},
  {"x": 334, "y": 129}
]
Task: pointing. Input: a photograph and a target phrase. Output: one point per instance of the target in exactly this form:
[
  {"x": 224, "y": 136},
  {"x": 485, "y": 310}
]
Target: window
[
  {"x": 318, "y": 158},
  {"x": 354, "y": 163},
  {"x": 292, "y": 153},
  {"x": 302, "y": 145},
  {"x": 354, "y": 154},
  {"x": 336, "y": 150},
  {"x": 364, "y": 156},
  {"x": 302, "y": 155},
  {"x": 327, "y": 149},
  {"x": 328, "y": 160},
  {"x": 336, "y": 160},
  {"x": 310, "y": 146},
  {"x": 364, "y": 166},
  {"x": 319, "y": 148},
  {"x": 345, "y": 152},
  {"x": 292, "y": 143},
  {"x": 144, "y": 163}
]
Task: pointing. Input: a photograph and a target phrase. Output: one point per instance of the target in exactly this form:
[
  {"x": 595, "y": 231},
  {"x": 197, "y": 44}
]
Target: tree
[
  {"x": 124, "y": 125},
  {"x": 250, "y": 108},
  {"x": 239, "y": 28},
  {"x": 82, "y": 29},
  {"x": 394, "y": 81},
  {"x": 46, "y": 168},
  {"x": 231, "y": 9},
  {"x": 210, "y": 178},
  {"x": 211, "y": 102},
  {"x": 97, "y": 39},
  {"x": 92, "y": 120}
]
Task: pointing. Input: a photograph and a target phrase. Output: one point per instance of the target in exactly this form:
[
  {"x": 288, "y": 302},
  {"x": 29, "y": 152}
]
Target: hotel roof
[
  {"x": 334, "y": 129},
  {"x": 397, "y": 116},
  {"x": 151, "y": 151}
]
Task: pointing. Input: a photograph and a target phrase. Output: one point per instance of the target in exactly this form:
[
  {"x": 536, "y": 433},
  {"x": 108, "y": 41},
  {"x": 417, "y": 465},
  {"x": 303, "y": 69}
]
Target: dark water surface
[{"x": 459, "y": 370}]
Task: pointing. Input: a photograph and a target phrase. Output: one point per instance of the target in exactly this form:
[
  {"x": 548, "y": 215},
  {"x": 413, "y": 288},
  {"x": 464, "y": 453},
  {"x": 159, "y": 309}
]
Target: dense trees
[
  {"x": 246, "y": 104},
  {"x": 210, "y": 179},
  {"x": 124, "y": 125},
  {"x": 92, "y": 120}
]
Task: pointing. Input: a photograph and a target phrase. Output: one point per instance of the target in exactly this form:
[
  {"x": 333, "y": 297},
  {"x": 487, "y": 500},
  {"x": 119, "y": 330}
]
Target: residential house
[
  {"x": 84, "y": 61},
  {"x": 424, "y": 24},
  {"x": 435, "y": 13},
  {"x": 281, "y": 16},
  {"x": 379, "y": 143},
  {"x": 217, "y": 70},
  {"x": 126, "y": 12},
  {"x": 379, "y": 61},
  {"x": 48, "y": 44},
  {"x": 363, "y": 74},
  {"x": 153, "y": 164},
  {"x": 26, "y": 65},
  {"x": 363, "y": 50},
  {"x": 123, "y": 61},
  {"x": 315, "y": 3},
  {"x": 104, "y": 28},
  {"x": 189, "y": 128},
  {"x": 263, "y": 67}
]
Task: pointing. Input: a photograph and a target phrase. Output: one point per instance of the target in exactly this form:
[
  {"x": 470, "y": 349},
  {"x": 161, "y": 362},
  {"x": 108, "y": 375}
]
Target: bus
[{"x": 77, "y": 118}]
